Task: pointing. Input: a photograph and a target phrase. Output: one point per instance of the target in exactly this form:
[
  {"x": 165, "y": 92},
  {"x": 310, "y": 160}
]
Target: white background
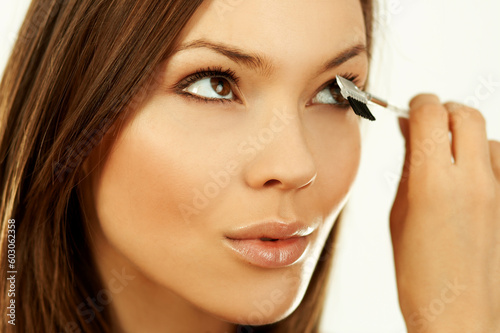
[{"x": 447, "y": 47}]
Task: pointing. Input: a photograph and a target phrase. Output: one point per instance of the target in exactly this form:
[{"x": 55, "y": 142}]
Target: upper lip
[{"x": 271, "y": 229}]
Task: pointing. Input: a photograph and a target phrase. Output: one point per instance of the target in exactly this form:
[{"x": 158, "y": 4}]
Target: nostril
[{"x": 272, "y": 182}]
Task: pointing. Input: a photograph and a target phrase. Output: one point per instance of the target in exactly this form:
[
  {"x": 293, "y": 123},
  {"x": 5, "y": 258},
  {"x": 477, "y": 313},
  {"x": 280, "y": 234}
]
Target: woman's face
[{"x": 274, "y": 143}]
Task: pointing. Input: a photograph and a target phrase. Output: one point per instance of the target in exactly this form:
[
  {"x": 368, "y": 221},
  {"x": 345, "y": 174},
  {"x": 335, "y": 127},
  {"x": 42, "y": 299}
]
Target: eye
[
  {"x": 330, "y": 95},
  {"x": 210, "y": 85},
  {"x": 211, "y": 88}
]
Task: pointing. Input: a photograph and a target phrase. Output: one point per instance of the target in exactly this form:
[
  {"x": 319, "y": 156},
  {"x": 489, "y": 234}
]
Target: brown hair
[{"x": 75, "y": 67}]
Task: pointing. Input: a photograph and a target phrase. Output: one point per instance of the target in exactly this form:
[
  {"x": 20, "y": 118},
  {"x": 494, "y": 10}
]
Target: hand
[{"x": 445, "y": 221}]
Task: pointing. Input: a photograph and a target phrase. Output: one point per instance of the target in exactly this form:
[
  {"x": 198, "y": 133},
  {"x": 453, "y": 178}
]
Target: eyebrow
[{"x": 262, "y": 63}]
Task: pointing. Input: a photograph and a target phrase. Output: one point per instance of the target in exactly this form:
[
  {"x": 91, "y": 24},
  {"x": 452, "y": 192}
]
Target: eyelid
[
  {"x": 349, "y": 76},
  {"x": 202, "y": 73}
]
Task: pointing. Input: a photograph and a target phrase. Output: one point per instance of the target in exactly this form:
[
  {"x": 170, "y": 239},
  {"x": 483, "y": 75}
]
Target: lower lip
[{"x": 269, "y": 254}]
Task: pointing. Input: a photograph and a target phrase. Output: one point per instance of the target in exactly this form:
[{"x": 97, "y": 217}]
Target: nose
[{"x": 282, "y": 158}]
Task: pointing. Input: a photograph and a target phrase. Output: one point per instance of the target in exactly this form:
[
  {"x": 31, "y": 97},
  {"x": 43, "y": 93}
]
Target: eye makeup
[
  {"x": 335, "y": 91},
  {"x": 204, "y": 73},
  {"x": 233, "y": 79}
]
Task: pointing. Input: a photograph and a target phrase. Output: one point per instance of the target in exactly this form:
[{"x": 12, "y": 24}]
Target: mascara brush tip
[{"x": 360, "y": 108}]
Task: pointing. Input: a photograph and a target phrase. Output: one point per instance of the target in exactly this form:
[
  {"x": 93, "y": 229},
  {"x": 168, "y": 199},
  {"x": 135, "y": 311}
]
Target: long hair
[{"x": 74, "y": 69}]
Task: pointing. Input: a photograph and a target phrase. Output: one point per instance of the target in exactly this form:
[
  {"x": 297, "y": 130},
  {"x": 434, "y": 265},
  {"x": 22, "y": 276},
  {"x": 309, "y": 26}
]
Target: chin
[
  {"x": 263, "y": 307},
  {"x": 260, "y": 313}
]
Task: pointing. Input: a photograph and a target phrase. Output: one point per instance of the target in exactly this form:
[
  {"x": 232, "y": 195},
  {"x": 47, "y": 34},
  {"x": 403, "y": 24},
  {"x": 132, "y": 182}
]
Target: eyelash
[
  {"x": 231, "y": 76},
  {"x": 203, "y": 73},
  {"x": 349, "y": 76}
]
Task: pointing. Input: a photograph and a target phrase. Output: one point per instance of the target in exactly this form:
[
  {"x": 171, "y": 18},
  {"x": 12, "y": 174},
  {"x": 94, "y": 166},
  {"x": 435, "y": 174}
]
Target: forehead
[{"x": 281, "y": 29}]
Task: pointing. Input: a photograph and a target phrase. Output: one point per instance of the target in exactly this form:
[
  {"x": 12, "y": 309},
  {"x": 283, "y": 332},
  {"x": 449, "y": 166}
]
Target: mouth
[
  {"x": 268, "y": 239},
  {"x": 271, "y": 244},
  {"x": 269, "y": 253}
]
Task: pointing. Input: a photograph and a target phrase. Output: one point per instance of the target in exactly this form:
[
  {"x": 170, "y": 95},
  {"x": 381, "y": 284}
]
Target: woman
[{"x": 179, "y": 166}]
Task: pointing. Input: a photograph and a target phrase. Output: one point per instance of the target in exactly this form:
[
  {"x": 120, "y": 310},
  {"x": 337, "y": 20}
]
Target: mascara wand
[{"x": 359, "y": 99}]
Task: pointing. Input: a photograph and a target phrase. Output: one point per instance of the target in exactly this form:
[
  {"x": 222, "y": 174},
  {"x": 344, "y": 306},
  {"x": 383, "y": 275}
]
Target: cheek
[
  {"x": 138, "y": 174},
  {"x": 153, "y": 172},
  {"x": 336, "y": 141},
  {"x": 342, "y": 157}
]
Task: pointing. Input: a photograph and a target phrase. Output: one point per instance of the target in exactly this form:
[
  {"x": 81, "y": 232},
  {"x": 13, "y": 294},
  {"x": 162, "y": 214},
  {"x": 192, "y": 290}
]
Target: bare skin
[
  {"x": 146, "y": 172},
  {"x": 291, "y": 153},
  {"x": 445, "y": 222}
]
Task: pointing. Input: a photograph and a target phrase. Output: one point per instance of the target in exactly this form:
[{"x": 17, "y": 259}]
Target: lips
[
  {"x": 271, "y": 230},
  {"x": 270, "y": 244}
]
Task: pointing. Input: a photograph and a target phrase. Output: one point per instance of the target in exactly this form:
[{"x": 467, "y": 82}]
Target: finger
[
  {"x": 403, "y": 126},
  {"x": 405, "y": 131},
  {"x": 429, "y": 128},
  {"x": 399, "y": 209},
  {"x": 400, "y": 205},
  {"x": 469, "y": 140},
  {"x": 423, "y": 99},
  {"x": 495, "y": 157}
]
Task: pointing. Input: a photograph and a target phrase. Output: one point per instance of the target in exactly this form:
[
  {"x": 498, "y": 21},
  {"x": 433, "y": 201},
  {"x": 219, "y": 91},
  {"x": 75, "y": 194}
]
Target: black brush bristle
[{"x": 360, "y": 109}]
